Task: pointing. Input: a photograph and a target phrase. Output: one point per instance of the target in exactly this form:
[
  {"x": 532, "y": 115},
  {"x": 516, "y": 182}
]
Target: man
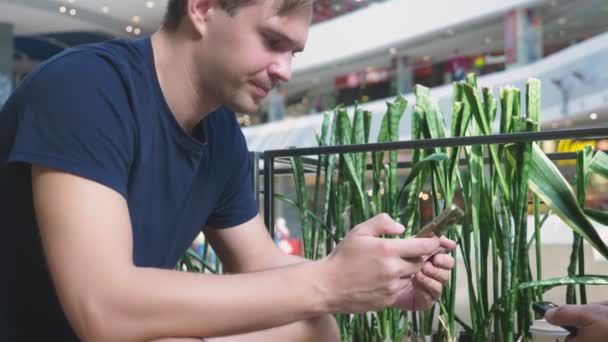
[
  {"x": 115, "y": 155},
  {"x": 591, "y": 320}
]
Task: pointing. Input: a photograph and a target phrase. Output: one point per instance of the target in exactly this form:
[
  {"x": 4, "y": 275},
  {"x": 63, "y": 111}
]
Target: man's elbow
[{"x": 103, "y": 318}]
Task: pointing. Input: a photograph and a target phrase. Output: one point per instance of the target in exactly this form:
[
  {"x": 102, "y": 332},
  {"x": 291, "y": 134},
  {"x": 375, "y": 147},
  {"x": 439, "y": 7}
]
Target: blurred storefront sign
[
  {"x": 492, "y": 60},
  {"x": 368, "y": 76},
  {"x": 568, "y": 145}
]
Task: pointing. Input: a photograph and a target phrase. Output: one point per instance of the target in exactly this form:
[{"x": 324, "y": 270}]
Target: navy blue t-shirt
[{"x": 97, "y": 111}]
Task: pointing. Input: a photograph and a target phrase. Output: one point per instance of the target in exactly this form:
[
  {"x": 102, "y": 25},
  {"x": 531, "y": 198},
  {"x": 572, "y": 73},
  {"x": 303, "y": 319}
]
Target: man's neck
[{"x": 177, "y": 78}]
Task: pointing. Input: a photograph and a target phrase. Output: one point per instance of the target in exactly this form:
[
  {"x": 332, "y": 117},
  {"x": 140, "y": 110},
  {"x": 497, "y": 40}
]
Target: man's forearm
[{"x": 153, "y": 303}]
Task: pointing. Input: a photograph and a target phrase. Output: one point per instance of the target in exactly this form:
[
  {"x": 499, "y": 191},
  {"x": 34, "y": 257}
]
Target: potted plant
[{"x": 496, "y": 184}]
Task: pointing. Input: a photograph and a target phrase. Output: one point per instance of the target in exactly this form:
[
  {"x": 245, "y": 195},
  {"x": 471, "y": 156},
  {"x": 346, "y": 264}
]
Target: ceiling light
[
  {"x": 593, "y": 116},
  {"x": 136, "y": 19},
  {"x": 129, "y": 28},
  {"x": 561, "y": 21},
  {"x": 487, "y": 40},
  {"x": 62, "y": 9},
  {"x": 105, "y": 9},
  {"x": 150, "y": 4},
  {"x": 71, "y": 1},
  {"x": 137, "y": 31},
  {"x": 73, "y": 11}
]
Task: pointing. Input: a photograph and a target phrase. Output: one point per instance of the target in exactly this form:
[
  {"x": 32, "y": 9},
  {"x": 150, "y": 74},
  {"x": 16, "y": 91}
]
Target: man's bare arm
[
  {"x": 86, "y": 234},
  {"x": 248, "y": 248}
]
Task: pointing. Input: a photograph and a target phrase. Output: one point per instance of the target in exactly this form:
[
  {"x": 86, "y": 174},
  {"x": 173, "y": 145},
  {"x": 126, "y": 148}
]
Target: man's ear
[{"x": 198, "y": 11}]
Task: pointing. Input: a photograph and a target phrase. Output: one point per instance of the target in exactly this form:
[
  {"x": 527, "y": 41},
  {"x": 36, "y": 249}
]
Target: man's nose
[{"x": 280, "y": 69}]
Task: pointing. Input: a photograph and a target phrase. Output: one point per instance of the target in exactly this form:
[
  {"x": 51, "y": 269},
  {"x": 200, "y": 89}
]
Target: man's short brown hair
[{"x": 176, "y": 9}]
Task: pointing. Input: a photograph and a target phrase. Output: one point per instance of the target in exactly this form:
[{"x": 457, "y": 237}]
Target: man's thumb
[
  {"x": 580, "y": 315},
  {"x": 378, "y": 225}
]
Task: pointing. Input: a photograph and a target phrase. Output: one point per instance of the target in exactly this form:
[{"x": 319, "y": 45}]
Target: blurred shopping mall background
[{"x": 366, "y": 51}]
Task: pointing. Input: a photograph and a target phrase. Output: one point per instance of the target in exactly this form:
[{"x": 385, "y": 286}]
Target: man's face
[{"x": 247, "y": 54}]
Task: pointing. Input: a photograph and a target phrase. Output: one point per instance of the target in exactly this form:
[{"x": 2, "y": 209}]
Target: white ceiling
[{"x": 43, "y": 16}]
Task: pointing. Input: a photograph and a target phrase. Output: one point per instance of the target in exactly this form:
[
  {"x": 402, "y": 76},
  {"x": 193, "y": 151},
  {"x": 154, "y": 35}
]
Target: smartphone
[
  {"x": 443, "y": 222},
  {"x": 440, "y": 225},
  {"x": 542, "y": 307}
]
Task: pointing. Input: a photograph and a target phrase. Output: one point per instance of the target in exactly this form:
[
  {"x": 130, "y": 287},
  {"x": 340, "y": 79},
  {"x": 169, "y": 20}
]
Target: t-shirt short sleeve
[
  {"x": 79, "y": 121},
  {"x": 237, "y": 202}
]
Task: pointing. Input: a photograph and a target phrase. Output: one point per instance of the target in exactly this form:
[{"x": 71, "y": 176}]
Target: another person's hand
[
  {"x": 367, "y": 273},
  {"x": 592, "y": 320}
]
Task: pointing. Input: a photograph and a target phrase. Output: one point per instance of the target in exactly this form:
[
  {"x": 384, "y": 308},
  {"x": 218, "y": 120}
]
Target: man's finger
[
  {"x": 412, "y": 247},
  {"x": 439, "y": 274},
  {"x": 379, "y": 225},
  {"x": 409, "y": 267},
  {"x": 443, "y": 261},
  {"x": 581, "y": 315},
  {"x": 430, "y": 285},
  {"x": 447, "y": 244}
]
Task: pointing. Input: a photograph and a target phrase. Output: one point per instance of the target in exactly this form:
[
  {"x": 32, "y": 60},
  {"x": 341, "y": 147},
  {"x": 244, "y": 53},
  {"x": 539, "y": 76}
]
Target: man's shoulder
[{"x": 93, "y": 63}]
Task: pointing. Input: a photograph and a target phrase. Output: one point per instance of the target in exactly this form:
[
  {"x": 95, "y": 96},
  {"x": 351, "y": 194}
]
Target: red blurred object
[{"x": 296, "y": 246}]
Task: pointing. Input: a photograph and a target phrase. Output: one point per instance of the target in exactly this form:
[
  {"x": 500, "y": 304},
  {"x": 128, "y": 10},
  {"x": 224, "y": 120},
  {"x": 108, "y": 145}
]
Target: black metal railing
[{"x": 271, "y": 156}]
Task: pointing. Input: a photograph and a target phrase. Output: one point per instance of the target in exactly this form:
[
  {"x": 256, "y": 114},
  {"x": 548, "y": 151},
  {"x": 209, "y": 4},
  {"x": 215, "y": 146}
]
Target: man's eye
[{"x": 272, "y": 43}]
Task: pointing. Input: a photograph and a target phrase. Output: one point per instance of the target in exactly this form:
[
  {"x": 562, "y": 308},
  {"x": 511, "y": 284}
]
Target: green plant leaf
[
  {"x": 302, "y": 195},
  {"x": 507, "y": 103},
  {"x": 553, "y": 282},
  {"x": 533, "y": 100},
  {"x": 472, "y": 100},
  {"x": 599, "y": 164},
  {"x": 190, "y": 253},
  {"x": 395, "y": 112},
  {"x": 312, "y": 215},
  {"x": 419, "y": 167},
  {"x": 549, "y": 184},
  {"x": 598, "y": 216}
]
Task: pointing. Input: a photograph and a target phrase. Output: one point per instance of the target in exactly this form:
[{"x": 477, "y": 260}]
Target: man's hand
[
  {"x": 426, "y": 286},
  {"x": 592, "y": 320},
  {"x": 367, "y": 273}
]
